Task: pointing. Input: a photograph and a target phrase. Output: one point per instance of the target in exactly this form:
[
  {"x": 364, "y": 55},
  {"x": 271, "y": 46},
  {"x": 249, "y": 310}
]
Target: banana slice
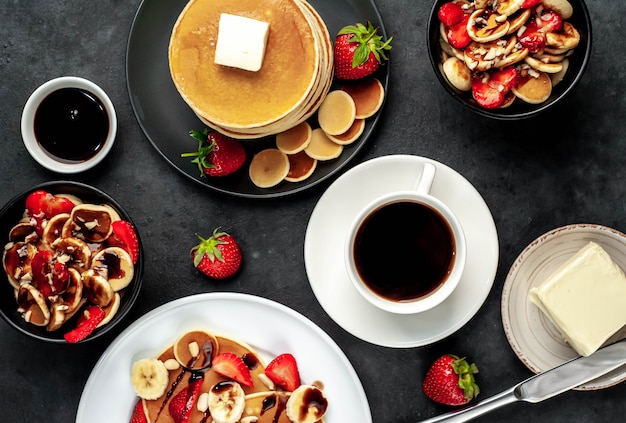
[
  {"x": 484, "y": 26},
  {"x": 543, "y": 66},
  {"x": 115, "y": 265},
  {"x": 307, "y": 404},
  {"x": 32, "y": 305},
  {"x": 57, "y": 316},
  {"x": 567, "y": 38},
  {"x": 558, "y": 77},
  {"x": 457, "y": 74},
  {"x": 96, "y": 288},
  {"x": 507, "y": 7},
  {"x": 73, "y": 252},
  {"x": 149, "y": 378},
  {"x": 226, "y": 402},
  {"x": 562, "y": 7},
  {"x": 195, "y": 349}
]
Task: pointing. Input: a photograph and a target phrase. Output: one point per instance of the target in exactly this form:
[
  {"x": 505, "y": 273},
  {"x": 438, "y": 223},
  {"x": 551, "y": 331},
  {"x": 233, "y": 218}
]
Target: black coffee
[{"x": 404, "y": 250}]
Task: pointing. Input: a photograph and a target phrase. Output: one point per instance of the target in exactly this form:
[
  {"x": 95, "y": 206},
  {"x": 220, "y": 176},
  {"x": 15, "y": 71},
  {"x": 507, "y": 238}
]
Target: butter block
[
  {"x": 585, "y": 298},
  {"x": 241, "y": 42}
]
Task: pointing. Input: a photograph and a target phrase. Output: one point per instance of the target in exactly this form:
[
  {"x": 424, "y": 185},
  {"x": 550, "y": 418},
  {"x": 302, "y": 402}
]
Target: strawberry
[
  {"x": 450, "y": 381},
  {"x": 551, "y": 21},
  {"x": 139, "y": 414},
  {"x": 125, "y": 237},
  {"x": 486, "y": 95},
  {"x": 359, "y": 51},
  {"x": 49, "y": 277},
  {"x": 218, "y": 257},
  {"x": 530, "y": 3},
  {"x": 283, "y": 371},
  {"x": 504, "y": 79},
  {"x": 41, "y": 206},
  {"x": 457, "y": 35},
  {"x": 450, "y": 14},
  {"x": 534, "y": 36},
  {"x": 87, "y": 322},
  {"x": 182, "y": 404},
  {"x": 217, "y": 155},
  {"x": 233, "y": 367}
]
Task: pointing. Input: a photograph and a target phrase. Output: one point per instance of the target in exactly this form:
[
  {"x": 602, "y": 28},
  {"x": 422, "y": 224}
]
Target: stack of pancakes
[{"x": 295, "y": 77}]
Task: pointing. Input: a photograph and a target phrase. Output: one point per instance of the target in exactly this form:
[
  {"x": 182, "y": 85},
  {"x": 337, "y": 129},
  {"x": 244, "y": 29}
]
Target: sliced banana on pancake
[
  {"x": 115, "y": 265},
  {"x": 337, "y": 112},
  {"x": 485, "y": 25},
  {"x": 307, "y": 404},
  {"x": 295, "y": 139},
  {"x": 368, "y": 96},
  {"x": 323, "y": 148},
  {"x": 351, "y": 135},
  {"x": 226, "y": 402},
  {"x": 567, "y": 38},
  {"x": 149, "y": 378},
  {"x": 268, "y": 168},
  {"x": 534, "y": 90},
  {"x": 301, "y": 166},
  {"x": 457, "y": 74}
]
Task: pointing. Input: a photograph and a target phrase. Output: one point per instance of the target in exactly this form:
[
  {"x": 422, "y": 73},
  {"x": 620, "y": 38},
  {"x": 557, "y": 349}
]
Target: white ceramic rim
[
  {"x": 28, "y": 118},
  {"x": 440, "y": 294}
]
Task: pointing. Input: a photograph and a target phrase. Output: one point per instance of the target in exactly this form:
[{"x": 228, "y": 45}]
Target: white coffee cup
[{"x": 405, "y": 251}]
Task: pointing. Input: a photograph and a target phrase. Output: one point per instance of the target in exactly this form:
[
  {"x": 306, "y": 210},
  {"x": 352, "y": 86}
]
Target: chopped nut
[
  {"x": 171, "y": 364},
  {"x": 194, "y": 349},
  {"x": 203, "y": 402},
  {"x": 267, "y": 381}
]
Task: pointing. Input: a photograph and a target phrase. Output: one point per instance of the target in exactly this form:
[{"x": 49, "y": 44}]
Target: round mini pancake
[
  {"x": 368, "y": 96},
  {"x": 351, "y": 134},
  {"x": 218, "y": 92},
  {"x": 337, "y": 112},
  {"x": 321, "y": 147},
  {"x": 269, "y": 167},
  {"x": 534, "y": 90},
  {"x": 301, "y": 166},
  {"x": 295, "y": 139}
]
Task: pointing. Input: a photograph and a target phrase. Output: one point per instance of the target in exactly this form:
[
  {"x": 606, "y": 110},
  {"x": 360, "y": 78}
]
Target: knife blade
[{"x": 546, "y": 385}]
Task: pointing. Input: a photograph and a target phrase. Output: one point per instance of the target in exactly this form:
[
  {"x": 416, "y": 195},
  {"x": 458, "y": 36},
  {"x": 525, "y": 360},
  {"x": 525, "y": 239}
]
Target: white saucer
[
  {"x": 533, "y": 338},
  {"x": 324, "y": 243}
]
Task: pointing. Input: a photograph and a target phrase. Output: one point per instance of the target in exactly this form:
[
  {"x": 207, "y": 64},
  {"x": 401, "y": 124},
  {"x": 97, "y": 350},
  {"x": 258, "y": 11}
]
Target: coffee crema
[{"x": 404, "y": 251}]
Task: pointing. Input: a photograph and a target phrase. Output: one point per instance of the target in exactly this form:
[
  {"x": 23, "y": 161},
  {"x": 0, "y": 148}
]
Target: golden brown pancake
[{"x": 236, "y": 98}]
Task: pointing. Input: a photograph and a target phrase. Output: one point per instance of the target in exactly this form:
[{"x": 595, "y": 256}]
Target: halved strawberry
[
  {"x": 139, "y": 414},
  {"x": 49, "y": 277},
  {"x": 551, "y": 21},
  {"x": 533, "y": 37},
  {"x": 450, "y": 14},
  {"x": 505, "y": 79},
  {"x": 457, "y": 35},
  {"x": 283, "y": 371},
  {"x": 182, "y": 405},
  {"x": 125, "y": 237},
  {"x": 86, "y": 324},
  {"x": 530, "y": 3},
  {"x": 233, "y": 367},
  {"x": 486, "y": 95}
]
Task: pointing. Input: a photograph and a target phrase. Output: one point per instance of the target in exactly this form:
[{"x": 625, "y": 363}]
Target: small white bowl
[{"x": 28, "y": 125}]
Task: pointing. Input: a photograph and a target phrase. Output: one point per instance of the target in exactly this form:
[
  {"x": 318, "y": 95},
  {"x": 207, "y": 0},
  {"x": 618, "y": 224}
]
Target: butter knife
[{"x": 546, "y": 385}]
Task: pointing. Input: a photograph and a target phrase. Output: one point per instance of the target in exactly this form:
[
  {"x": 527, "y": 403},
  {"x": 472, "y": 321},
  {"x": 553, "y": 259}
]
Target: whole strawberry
[
  {"x": 450, "y": 381},
  {"x": 218, "y": 257},
  {"x": 359, "y": 51},
  {"x": 217, "y": 155}
]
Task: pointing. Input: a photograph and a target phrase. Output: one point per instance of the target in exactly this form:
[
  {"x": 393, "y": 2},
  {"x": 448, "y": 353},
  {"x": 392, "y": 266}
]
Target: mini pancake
[
  {"x": 269, "y": 407},
  {"x": 321, "y": 147},
  {"x": 534, "y": 90},
  {"x": 268, "y": 168},
  {"x": 301, "y": 166},
  {"x": 368, "y": 96},
  {"x": 337, "y": 112},
  {"x": 295, "y": 139},
  {"x": 351, "y": 134}
]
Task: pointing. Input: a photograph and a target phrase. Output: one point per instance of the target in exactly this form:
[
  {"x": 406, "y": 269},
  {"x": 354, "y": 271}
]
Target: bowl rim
[
  {"x": 28, "y": 118},
  {"x": 14, "y": 319},
  {"x": 433, "y": 49}
]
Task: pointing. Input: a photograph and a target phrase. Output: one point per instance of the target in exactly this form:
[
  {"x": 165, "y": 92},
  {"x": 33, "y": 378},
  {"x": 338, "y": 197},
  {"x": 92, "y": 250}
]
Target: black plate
[
  {"x": 166, "y": 119},
  {"x": 13, "y": 211}
]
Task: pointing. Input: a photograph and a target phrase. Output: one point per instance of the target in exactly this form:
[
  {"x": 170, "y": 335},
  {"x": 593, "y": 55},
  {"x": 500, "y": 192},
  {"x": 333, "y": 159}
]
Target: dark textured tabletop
[{"x": 567, "y": 166}]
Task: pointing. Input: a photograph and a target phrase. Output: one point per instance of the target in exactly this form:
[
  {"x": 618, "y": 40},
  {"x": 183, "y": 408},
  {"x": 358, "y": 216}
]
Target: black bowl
[
  {"x": 12, "y": 212},
  {"x": 519, "y": 110}
]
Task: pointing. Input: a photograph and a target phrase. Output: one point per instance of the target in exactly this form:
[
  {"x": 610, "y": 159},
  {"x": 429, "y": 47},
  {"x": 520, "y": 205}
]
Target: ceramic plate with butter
[
  {"x": 534, "y": 339},
  {"x": 166, "y": 119}
]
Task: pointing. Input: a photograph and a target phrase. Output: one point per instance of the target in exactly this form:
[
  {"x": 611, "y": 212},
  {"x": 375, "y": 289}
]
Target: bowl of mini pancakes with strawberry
[
  {"x": 509, "y": 59},
  {"x": 73, "y": 262}
]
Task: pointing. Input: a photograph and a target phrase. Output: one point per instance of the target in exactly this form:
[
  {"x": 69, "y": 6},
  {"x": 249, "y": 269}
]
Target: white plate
[
  {"x": 535, "y": 340},
  {"x": 269, "y": 327},
  {"x": 324, "y": 258}
]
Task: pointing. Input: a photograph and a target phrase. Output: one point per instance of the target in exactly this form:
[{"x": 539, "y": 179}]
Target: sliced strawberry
[
  {"x": 457, "y": 35},
  {"x": 283, "y": 371},
  {"x": 551, "y": 21},
  {"x": 49, "y": 277},
  {"x": 505, "y": 79},
  {"x": 533, "y": 38},
  {"x": 41, "y": 206},
  {"x": 530, "y": 3},
  {"x": 182, "y": 405},
  {"x": 139, "y": 414},
  {"x": 125, "y": 237},
  {"x": 87, "y": 322},
  {"x": 486, "y": 95},
  {"x": 233, "y": 367},
  {"x": 450, "y": 14}
]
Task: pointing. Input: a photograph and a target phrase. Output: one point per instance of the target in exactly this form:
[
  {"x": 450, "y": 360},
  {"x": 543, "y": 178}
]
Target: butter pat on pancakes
[
  {"x": 241, "y": 42},
  {"x": 584, "y": 298}
]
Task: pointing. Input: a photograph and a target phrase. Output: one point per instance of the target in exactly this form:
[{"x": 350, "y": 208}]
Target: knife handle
[{"x": 482, "y": 407}]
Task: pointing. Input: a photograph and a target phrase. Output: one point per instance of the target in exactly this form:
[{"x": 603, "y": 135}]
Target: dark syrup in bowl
[{"x": 71, "y": 125}]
